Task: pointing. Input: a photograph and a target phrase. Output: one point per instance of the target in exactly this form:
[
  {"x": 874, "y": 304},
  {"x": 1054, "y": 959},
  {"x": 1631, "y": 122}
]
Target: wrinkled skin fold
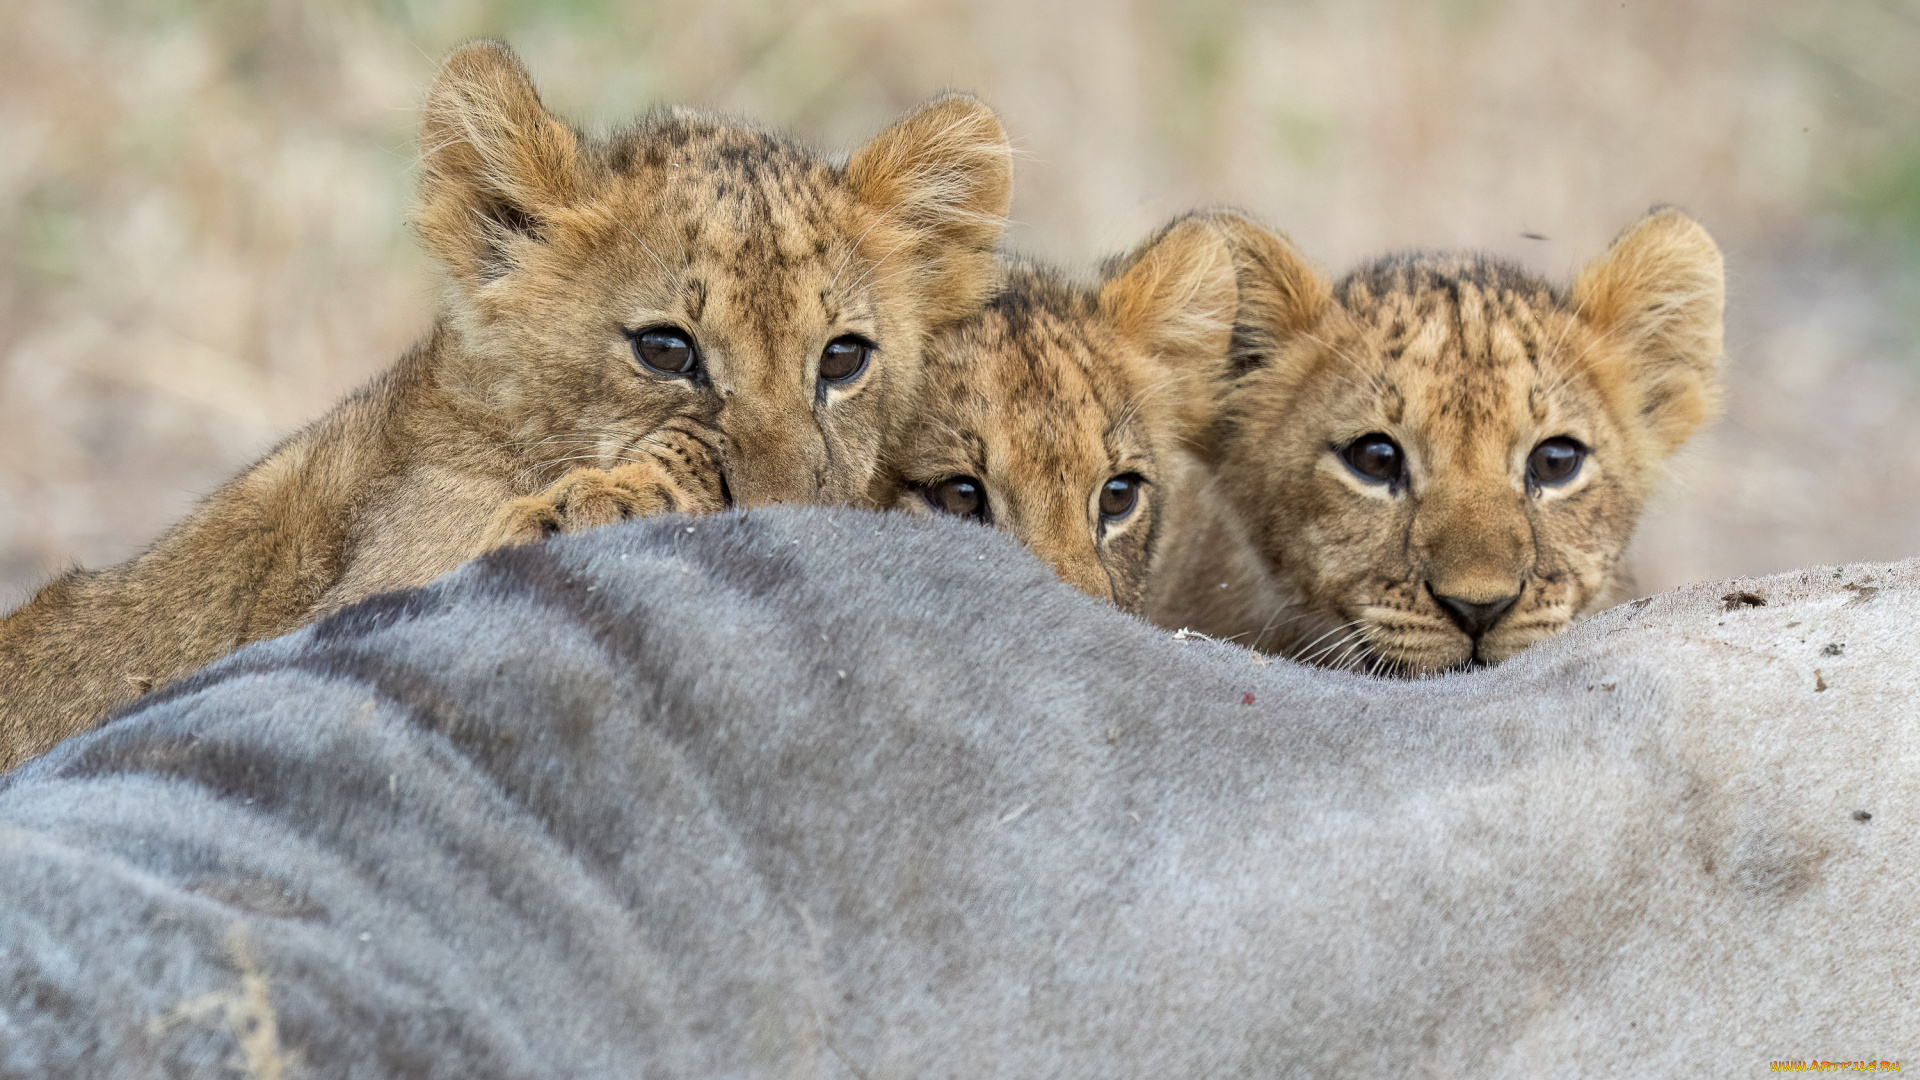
[{"x": 820, "y": 793}]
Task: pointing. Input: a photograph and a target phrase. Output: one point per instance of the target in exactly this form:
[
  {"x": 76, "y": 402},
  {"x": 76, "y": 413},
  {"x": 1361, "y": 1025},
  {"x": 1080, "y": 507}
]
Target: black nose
[{"x": 1474, "y": 619}]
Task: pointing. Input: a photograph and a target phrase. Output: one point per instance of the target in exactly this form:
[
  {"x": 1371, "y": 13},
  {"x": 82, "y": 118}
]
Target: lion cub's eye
[
  {"x": 961, "y": 496},
  {"x": 666, "y": 349},
  {"x": 1555, "y": 461},
  {"x": 1119, "y": 496},
  {"x": 1375, "y": 457},
  {"x": 845, "y": 358}
]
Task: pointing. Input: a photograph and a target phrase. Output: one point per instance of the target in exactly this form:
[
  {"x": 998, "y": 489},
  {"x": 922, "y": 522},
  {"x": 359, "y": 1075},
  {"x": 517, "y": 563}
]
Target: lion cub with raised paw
[
  {"x": 1067, "y": 412},
  {"x": 686, "y": 313},
  {"x": 1439, "y": 460}
]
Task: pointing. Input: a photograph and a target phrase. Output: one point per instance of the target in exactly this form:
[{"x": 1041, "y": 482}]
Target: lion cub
[
  {"x": 1065, "y": 412},
  {"x": 1440, "y": 459},
  {"x": 687, "y": 313}
]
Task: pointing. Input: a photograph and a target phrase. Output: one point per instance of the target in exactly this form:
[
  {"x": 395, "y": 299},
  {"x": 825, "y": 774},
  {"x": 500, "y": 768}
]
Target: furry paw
[{"x": 671, "y": 482}]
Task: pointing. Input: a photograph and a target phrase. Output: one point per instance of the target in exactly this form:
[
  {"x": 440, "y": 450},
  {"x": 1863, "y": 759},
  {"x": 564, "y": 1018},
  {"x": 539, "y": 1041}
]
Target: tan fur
[
  {"x": 557, "y": 248},
  {"x": 1058, "y": 387},
  {"x": 1468, "y": 364}
]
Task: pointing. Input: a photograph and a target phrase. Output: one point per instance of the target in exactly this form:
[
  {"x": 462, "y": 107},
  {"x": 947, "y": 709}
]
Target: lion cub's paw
[{"x": 585, "y": 498}]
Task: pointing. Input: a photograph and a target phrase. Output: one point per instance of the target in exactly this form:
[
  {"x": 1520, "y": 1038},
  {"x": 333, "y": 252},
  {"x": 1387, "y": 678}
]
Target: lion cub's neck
[{"x": 1209, "y": 575}]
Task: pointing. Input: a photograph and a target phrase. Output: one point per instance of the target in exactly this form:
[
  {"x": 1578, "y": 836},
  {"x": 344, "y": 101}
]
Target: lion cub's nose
[{"x": 1474, "y": 618}]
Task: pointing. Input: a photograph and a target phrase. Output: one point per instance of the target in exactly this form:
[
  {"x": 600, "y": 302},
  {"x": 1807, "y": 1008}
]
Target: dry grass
[{"x": 203, "y": 203}]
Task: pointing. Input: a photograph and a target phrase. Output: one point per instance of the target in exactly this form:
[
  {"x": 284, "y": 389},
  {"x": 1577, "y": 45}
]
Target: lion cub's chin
[{"x": 1417, "y": 651}]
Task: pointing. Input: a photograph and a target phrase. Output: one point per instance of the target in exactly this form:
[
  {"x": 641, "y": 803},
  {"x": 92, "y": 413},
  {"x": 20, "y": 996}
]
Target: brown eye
[
  {"x": 1555, "y": 461},
  {"x": 961, "y": 496},
  {"x": 844, "y": 358},
  {"x": 1376, "y": 458},
  {"x": 1119, "y": 496},
  {"x": 666, "y": 349}
]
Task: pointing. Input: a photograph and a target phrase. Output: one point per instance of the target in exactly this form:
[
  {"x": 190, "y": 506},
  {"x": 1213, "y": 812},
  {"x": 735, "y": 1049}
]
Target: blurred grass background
[{"x": 202, "y": 202}]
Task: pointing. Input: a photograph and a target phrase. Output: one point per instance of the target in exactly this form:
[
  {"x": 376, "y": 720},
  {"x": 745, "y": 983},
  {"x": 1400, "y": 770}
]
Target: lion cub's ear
[
  {"x": 941, "y": 180},
  {"x": 1175, "y": 297},
  {"x": 1659, "y": 293},
  {"x": 1281, "y": 294},
  {"x": 494, "y": 163}
]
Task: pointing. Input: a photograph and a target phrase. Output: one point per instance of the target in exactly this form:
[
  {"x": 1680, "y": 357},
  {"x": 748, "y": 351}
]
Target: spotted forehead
[
  {"x": 737, "y": 193},
  {"x": 747, "y": 221},
  {"x": 1034, "y": 378},
  {"x": 727, "y": 155},
  {"x": 1047, "y": 352},
  {"x": 1460, "y": 338}
]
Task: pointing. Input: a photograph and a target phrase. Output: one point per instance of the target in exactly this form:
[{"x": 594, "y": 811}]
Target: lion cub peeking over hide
[
  {"x": 682, "y": 314},
  {"x": 1439, "y": 460},
  {"x": 1065, "y": 412}
]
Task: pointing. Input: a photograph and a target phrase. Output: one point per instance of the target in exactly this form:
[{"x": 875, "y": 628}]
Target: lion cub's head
[
  {"x": 691, "y": 277},
  {"x": 1441, "y": 457},
  {"x": 1056, "y": 413}
]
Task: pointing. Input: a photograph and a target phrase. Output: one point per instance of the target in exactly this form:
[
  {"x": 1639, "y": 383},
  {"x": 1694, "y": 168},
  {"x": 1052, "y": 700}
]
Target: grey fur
[{"x": 819, "y": 793}]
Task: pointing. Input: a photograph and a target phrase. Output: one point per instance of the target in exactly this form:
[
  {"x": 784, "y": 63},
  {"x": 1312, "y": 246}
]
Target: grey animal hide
[{"x": 811, "y": 793}]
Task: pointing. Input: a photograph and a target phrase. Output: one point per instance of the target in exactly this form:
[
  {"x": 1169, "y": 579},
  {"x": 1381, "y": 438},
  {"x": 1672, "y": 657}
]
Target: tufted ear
[
  {"x": 941, "y": 180},
  {"x": 1174, "y": 297},
  {"x": 1659, "y": 293},
  {"x": 494, "y": 163},
  {"x": 1281, "y": 294}
]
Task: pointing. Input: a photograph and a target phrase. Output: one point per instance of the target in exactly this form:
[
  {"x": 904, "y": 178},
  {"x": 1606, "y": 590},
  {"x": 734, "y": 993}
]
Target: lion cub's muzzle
[
  {"x": 767, "y": 463},
  {"x": 1452, "y": 625},
  {"x": 1474, "y": 617}
]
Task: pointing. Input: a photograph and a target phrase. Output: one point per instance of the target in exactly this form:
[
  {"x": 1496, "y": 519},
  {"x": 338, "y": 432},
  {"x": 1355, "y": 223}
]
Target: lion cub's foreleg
[{"x": 680, "y": 476}]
